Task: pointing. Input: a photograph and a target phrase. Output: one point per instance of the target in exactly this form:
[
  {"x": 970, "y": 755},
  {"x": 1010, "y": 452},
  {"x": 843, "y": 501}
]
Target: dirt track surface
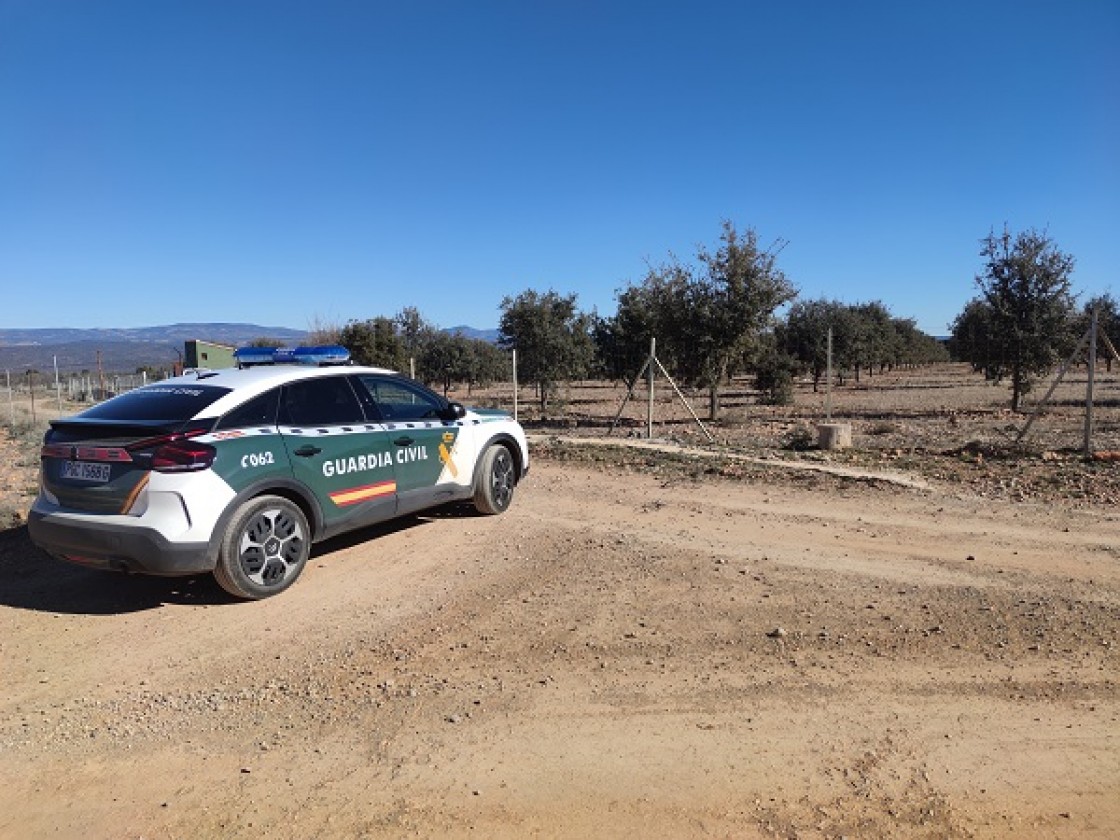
[{"x": 620, "y": 655}]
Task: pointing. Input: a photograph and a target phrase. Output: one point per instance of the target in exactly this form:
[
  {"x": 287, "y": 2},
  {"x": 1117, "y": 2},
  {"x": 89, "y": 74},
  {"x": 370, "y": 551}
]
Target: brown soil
[
  {"x": 648, "y": 644},
  {"x": 604, "y": 660}
]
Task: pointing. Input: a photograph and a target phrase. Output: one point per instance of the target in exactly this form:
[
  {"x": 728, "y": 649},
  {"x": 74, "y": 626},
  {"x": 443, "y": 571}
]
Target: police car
[{"x": 237, "y": 472}]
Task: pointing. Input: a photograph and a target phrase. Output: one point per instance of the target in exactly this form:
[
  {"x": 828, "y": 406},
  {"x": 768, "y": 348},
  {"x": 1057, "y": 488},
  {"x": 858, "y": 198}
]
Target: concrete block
[{"x": 834, "y": 435}]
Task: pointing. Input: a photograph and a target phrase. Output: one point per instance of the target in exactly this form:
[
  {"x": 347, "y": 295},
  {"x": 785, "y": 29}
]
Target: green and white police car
[{"x": 238, "y": 471}]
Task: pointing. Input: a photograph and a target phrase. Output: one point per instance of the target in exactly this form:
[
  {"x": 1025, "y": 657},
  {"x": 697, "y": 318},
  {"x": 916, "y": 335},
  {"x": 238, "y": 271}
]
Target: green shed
[{"x": 207, "y": 354}]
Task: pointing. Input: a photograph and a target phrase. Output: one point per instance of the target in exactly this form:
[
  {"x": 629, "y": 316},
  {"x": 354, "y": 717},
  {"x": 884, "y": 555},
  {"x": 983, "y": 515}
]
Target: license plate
[{"x": 85, "y": 471}]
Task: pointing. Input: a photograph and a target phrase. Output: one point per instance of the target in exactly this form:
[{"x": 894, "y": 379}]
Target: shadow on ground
[{"x": 30, "y": 579}]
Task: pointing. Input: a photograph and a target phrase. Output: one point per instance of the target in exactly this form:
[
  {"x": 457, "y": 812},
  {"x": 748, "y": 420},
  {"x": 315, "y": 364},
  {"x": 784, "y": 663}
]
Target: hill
[
  {"x": 122, "y": 349},
  {"x": 471, "y": 332}
]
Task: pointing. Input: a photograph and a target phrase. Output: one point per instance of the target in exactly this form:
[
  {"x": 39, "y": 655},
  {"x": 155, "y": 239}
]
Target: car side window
[
  {"x": 324, "y": 401},
  {"x": 259, "y": 411},
  {"x": 399, "y": 402}
]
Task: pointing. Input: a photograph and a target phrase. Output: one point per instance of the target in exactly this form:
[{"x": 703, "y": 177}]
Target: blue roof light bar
[{"x": 330, "y": 354}]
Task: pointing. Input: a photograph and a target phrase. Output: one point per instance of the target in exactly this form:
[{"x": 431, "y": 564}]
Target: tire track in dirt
[{"x": 602, "y": 660}]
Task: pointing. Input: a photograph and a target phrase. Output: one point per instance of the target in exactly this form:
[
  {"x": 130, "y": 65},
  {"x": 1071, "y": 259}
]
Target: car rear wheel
[
  {"x": 493, "y": 490},
  {"x": 265, "y": 548}
]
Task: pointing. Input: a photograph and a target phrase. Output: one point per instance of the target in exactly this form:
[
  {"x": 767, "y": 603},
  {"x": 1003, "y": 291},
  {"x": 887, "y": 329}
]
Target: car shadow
[
  {"x": 30, "y": 579},
  {"x": 364, "y": 535},
  {"x": 453, "y": 510}
]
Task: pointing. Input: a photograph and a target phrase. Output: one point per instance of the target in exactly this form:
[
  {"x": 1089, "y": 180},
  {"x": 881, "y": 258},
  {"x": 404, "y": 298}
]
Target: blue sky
[{"x": 283, "y": 162}]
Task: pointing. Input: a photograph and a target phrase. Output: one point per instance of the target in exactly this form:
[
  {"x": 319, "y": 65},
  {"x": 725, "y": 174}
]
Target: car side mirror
[{"x": 454, "y": 411}]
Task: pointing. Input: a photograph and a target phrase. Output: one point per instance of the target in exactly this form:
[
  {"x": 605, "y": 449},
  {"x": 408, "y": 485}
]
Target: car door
[
  {"x": 339, "y": 452},
  {"x": 427, "y": 472}
]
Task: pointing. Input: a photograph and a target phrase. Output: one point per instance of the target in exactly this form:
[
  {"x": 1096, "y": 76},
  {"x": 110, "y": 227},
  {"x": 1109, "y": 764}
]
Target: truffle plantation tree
[
  {"x": 804, "y": 334},
  {"x": 710, "y": 317},
  {"x": 552, "y": 338},
  {"x": 1108, "y": 320},
  {"x": 374, "y": 342},
  {"x": 1026, "y": 309}
]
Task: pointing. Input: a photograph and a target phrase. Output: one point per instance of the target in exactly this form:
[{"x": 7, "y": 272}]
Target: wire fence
[
  {"x": 38, "y": 396},
  {"x": 945, "y": 405}
]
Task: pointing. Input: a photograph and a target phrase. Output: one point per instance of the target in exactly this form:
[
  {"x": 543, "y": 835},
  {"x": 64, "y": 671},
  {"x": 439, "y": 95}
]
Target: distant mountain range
[
  {"x": 471, "y": 332},
  {"x": 121, "y": 350},
  {"x": 125, "y": 350},
  {"x": 167, "y": 334}
]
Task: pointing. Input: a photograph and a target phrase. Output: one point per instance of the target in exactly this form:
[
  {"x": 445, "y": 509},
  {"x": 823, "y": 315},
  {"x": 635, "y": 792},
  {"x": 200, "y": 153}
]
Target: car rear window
[
  {"x": 157, "y": 403},
  {"x": 259, "y": 411}
]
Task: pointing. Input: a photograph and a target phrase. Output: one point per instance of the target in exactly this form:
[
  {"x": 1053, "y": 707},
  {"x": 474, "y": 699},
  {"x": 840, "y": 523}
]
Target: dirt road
[{"x": 621, "y": 655}]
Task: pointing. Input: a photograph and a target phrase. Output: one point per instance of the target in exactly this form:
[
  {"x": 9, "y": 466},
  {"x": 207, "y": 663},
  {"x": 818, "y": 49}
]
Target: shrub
[
  {"x": 774, "y": 377},
  {"x": 801, "y": 438}
]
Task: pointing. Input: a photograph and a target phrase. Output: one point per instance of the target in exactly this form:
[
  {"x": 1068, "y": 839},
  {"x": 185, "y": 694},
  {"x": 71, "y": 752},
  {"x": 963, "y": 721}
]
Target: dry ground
[{"x": 643, "y": 646}]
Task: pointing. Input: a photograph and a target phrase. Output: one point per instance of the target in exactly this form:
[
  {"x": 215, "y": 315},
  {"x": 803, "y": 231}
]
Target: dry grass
[{"x": 21, "y": 434}]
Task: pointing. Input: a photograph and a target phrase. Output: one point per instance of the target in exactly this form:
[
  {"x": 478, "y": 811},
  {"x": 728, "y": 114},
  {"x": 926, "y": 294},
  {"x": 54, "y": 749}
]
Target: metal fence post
[
  {"x": 57, "y": 386},
  {"x": 828, "y": 382},
  {"x": 1089, "y": 385},
  {"x": 649, "y": 407},
  {"x": 31, "y": 393}
]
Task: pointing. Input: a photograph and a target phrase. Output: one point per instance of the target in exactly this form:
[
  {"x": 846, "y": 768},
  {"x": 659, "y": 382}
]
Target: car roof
[{"x": 246, "y": 383}]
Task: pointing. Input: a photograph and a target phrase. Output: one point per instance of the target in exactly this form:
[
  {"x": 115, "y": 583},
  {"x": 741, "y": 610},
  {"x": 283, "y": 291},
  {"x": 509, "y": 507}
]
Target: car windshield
[{"x": 156, "y": 403}]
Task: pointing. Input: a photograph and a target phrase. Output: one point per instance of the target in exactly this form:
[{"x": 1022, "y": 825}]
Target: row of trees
[
  {"x": 407, "y": 340},
  {"x": 717, "y": 316},
  {"x": 712, "y": 318},
  {"x": 865, "y": 337}
]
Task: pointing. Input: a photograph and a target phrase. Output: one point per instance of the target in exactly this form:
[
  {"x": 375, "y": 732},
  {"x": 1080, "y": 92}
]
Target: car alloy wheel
[{"x": 271, "y": 546}]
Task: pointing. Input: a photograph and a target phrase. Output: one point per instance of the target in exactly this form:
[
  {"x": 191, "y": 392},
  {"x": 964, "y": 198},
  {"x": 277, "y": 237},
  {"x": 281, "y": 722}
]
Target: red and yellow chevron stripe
[{"x": 354, "y": 495}]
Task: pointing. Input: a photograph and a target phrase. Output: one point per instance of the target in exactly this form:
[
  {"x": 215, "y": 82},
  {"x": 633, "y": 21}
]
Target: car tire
[
  {"x": 495, "y": 480},
  {"x": 264, "y": 549}
]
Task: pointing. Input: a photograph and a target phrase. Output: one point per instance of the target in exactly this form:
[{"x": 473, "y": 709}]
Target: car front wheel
[{"x": 265, "y": 548}]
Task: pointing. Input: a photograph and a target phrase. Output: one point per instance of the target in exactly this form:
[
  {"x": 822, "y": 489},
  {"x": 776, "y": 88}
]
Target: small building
[{"x": 207, "y": 354}]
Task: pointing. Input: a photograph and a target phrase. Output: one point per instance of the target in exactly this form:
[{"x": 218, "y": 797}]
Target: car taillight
[{"x": 182, "y": 455}]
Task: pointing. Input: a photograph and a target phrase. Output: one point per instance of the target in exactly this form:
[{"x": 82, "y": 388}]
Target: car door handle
[
  {"x": 404, "y": 441},
  {"x": 307, "y": 451}
]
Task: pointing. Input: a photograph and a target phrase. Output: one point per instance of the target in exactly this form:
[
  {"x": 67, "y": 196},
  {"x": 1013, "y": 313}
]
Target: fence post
[
  {"x": 57, "y": 386},
  {"x": 649, "y": 407},
  {"x": 11, "y": 400},
  {"x": 828, "y": 382},
  {"x": 515, "y": 384},
  {"x": 1089, "y": 386},
  {"x": 31, "y": 392}
]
